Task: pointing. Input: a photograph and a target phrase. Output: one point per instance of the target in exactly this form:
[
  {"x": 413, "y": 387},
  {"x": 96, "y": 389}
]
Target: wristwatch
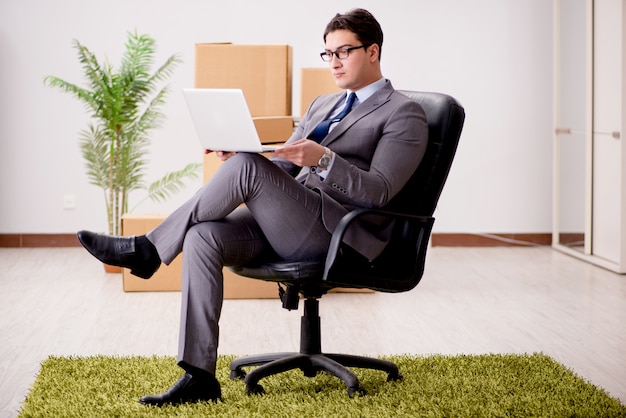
[{"x": 324, "y": 161}]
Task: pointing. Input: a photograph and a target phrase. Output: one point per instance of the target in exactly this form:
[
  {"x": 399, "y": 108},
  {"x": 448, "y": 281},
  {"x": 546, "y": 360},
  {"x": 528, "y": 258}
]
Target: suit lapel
[
  {"x": 325, "y": 110},
  {"x": 363, "y": 109}
]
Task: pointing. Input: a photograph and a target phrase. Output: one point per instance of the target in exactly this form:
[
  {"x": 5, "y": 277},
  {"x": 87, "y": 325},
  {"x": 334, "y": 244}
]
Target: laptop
[{"x": 223, "y": 121}]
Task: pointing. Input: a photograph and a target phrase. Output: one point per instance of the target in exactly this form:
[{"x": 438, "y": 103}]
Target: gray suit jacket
[{"x": 378, "y": 146}]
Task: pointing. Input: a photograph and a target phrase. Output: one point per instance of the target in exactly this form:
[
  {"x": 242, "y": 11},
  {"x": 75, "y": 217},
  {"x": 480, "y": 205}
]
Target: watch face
[{"x": 324, "y": 161}]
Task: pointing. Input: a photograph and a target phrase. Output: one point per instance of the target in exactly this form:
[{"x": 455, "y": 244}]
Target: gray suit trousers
[{"x": 212, "y": 230}]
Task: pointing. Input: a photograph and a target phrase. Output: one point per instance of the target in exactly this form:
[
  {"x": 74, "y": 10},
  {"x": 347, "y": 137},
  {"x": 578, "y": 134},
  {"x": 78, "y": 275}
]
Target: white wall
[{"x": 495, "y": 56}]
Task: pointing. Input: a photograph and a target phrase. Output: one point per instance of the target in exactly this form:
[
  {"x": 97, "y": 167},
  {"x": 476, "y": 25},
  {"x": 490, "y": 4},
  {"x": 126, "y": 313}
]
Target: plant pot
[{"x": 112, "y": 269}]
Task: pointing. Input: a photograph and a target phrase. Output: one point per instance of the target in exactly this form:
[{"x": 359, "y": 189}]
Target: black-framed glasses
[{"x": 341, "y": 53}]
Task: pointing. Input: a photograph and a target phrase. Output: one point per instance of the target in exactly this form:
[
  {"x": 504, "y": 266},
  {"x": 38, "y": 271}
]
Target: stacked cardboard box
[
  {"x": 315, "y": 82},
  {"x": 263, "y": 72}
]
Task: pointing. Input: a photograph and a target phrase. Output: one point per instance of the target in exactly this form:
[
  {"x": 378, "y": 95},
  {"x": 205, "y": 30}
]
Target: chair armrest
[{"x": 342, "y": 228}]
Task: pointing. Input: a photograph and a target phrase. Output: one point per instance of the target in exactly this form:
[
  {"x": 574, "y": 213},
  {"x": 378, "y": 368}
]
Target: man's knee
[
  {"x": 202, "y": 238},
  {"x": 246, "y": 162}
]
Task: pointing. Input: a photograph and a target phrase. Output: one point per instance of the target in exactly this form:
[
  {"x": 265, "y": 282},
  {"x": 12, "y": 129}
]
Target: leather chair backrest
[
  {"x": 445, "y": 117},
  {"x": 401, "y": 265}
]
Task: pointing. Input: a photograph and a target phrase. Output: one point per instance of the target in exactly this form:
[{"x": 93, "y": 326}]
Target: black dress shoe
[
  {"x": 187, "y": 389},
  {"x": 136, "y": 253}
]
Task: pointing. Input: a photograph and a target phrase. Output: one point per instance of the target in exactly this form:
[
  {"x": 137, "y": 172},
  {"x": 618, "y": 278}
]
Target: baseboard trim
[
  {"x": 490, "y": 240},
  {"x": 38, "y": 240},
  {"x": 437, "y": 240}
]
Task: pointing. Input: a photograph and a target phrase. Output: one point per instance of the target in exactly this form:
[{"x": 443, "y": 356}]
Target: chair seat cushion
[{"x": 283, "y": 271}]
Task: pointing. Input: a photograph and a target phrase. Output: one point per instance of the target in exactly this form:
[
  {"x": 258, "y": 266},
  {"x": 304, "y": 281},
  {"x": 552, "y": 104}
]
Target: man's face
[{"x": 358, "y": 69}]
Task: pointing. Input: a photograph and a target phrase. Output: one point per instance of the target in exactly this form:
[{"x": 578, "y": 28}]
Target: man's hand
[
  {"x": 303, "y": 152},
  {"x": 222, "y": 155}
]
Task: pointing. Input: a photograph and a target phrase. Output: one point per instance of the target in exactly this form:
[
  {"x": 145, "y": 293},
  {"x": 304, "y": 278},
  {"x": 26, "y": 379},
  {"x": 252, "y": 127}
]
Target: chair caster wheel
[
  {"x": 393, "y": 377},
  {"x": 356, "y": 389},
  {"x": 237, "y": 374},
  {"x": 255, "y": 389}
]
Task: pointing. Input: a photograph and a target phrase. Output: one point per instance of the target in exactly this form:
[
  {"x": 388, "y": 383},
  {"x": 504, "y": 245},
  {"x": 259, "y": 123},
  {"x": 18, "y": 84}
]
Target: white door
[{"x": 607, "y": 145}]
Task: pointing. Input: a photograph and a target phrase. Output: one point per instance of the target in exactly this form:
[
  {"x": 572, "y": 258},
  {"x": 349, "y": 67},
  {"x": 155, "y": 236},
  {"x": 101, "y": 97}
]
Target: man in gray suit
[{"x": 352, "y": 149}]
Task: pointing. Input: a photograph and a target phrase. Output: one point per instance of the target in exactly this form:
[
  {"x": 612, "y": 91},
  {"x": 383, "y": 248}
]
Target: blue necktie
[{"x": 321, "y": 130}]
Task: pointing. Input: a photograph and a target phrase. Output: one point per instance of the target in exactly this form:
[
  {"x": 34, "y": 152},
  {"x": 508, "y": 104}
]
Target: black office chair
[{"x": 398, "y": 269}]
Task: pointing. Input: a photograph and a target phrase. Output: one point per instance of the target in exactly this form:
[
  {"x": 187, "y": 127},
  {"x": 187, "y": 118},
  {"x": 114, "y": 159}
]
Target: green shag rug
[{"x": 434, "y": 386}]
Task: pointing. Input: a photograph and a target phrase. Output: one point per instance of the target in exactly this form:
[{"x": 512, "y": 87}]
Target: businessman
[{"x": 351, "y": 149}]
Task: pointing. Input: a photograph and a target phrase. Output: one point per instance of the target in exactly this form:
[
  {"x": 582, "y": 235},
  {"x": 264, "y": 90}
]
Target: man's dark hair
[{"x": 360, "y": 22}]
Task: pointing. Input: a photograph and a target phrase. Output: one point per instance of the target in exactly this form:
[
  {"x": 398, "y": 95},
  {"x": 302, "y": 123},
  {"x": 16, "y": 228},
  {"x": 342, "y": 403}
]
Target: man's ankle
[
  {"x": 146, "y": 248},
  {"x": 197, "y": 373}
]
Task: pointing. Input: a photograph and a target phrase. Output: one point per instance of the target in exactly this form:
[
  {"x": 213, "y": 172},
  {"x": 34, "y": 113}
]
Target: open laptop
[{"x": 223, "y": 121}]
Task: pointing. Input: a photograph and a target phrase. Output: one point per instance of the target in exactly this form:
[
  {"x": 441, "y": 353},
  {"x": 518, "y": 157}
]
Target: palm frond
[
  {"x": 94, "y": 145},
  {"x": 151, "y": 117},
  {"x": 166, "y": 70},
  {"x": 132, "y": 164},
  {"x": 162, "y": 189},
  {"x": 97, "y": 75},
  {"x": 138, "y": 57}
]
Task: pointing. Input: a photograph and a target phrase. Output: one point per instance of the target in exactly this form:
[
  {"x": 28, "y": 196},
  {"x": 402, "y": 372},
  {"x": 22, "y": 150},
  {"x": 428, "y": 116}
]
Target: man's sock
[{"x": 147, "y": 251}]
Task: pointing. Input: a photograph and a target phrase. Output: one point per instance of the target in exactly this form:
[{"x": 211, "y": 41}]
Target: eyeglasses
[{"x": 341, "y": 53}]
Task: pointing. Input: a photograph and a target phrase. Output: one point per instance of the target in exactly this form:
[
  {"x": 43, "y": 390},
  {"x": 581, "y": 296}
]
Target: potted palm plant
[{"x": 124, "y": 106}]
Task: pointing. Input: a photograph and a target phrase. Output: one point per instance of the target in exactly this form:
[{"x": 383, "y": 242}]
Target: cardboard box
[
  {"x": 239, "y": 287},
  {"x": 263, "y": 72},
  {"x": 315, "y": 82},
  {"x": 168, "y": 278},
  {"x": 273, "y": 129}
]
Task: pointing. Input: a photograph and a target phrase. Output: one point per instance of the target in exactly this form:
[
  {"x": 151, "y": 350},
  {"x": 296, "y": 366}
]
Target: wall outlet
[{"x": 69, "y": 201}]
